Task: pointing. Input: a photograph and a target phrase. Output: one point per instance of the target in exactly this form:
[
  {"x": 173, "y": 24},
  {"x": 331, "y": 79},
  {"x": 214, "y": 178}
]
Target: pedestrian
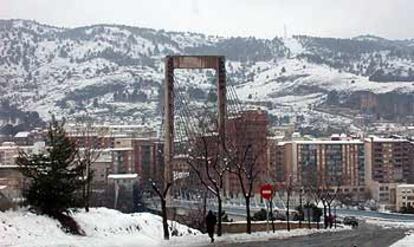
[
  {"x": 211, "y": 223},
  {"x": 331, "y": 220}
]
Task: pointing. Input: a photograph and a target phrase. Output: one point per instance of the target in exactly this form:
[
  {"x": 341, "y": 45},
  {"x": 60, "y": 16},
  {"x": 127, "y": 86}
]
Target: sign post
[
  {"x": 266, "y": 191},
  {"x": 271, "y": 214}
]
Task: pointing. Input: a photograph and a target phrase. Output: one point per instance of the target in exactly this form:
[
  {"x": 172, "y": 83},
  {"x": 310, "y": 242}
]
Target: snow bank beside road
[
  {"x": 407, "y": 241},
  {"x": 390, "y": 223},
  {"x": 103, "y": 227}
]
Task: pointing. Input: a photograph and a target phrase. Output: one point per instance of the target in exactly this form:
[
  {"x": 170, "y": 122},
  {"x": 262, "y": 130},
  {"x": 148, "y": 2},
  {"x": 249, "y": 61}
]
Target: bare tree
[
  {"x": 89, "y": 142},
  {"x": 308, "y": 201},
  {"x": 247, "y": 174},
  {"x": 332, "y": 193},
  {"x": 301, "y": 192},
  {"x": 243, "y": 163},
  {"x": 161, "y": 189},
  {"x": 316, "y": 193},
  {"x": 245, "y": 148},
  {"x": 207, "y": 162},
  {"x": 331, "y": 197},
  {"x": 310, "y": 180},
  {"x": 323, "y": 198},
  {"x": 289, "y": 188}
]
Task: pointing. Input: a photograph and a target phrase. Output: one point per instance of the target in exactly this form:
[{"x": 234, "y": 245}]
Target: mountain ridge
[{"x": 115, "y": 72}]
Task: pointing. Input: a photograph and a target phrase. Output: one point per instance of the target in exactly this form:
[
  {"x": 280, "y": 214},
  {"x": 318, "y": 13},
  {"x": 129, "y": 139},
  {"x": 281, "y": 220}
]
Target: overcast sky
[{"x": 261, "y": 18}]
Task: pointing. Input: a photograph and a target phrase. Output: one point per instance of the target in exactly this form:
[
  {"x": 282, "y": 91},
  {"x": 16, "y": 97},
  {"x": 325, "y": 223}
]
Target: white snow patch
[
  {"x": 294, "y": 46},
  {"x": 103, "y": 227},
  {"x": 390, "y": 223},
  {"x": 407, "y": 241}
]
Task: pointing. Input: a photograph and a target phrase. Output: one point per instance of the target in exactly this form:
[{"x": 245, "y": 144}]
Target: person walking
[{"x": 211, "y": 223}]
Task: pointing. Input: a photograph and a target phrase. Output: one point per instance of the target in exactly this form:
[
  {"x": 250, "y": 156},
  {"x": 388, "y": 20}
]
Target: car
[{"x": 350, "y": 221}]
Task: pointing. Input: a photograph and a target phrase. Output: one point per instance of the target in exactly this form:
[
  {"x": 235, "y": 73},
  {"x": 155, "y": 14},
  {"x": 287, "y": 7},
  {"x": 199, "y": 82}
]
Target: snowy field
[{"x": 106, "y": 227}]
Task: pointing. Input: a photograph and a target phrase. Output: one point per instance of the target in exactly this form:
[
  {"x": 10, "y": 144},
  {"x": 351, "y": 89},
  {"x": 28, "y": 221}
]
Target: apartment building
[{"x": 389, "y": 160}]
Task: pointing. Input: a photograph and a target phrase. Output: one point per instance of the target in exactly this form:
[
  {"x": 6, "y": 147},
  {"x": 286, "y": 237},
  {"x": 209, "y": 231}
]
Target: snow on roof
[
  {"x": 330, "y": 142},
  {"x": 405, "y": 186},
  {"x": 123, "y": 176},
  {"x": 22, "y": 134},
  {"x": 383, "y": 139},
  {"x": 284, "y": 143},
  {"x": 277, "y": 137},
  {"x": 120, "y": 126},
  {"x": 8, "y": 166},
  {"x": 8, "y": 144},
  {"x": 118, "y": 149}
]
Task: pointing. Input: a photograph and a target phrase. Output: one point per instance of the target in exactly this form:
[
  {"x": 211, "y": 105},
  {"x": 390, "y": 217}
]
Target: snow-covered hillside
[
  {"x": 114, "y": 73},
  {"x": 107, "y": 227},
  {"x": 103, "y": 227}
]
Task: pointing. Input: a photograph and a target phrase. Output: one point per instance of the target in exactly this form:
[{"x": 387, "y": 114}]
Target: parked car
[{"x": 350, "y": 221}]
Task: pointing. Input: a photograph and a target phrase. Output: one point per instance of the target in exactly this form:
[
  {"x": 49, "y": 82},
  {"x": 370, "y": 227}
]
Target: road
[
  {"x": 233, "y": 210},
  {"x": 365, "y": 236},
  {"x": 376, "y": 215}
]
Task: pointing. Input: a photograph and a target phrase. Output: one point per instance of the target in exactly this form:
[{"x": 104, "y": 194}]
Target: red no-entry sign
[{"x": 266, "y": 190}]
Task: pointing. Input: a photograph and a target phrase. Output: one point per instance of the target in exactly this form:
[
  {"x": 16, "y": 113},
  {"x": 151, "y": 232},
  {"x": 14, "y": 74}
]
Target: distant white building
[{"x": 404, "y": 196}]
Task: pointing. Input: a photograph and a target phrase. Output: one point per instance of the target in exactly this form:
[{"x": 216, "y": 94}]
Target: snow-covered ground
[
  {"x": 103, "y": 227},
  {"x": 107, "y": 227},
  {"x": 407, "y": 241},
  {"x": 389, "y": 223}
]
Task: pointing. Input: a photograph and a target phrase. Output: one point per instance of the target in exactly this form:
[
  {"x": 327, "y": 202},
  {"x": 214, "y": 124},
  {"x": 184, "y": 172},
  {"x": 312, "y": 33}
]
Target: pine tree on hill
[{"x": 55, "y": 177}]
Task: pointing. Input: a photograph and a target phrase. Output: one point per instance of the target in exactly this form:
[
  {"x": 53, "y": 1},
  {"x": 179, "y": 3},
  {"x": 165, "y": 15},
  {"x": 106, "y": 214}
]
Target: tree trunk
[
  {"x": 325, "y": 219},
  {"x": 84, "y": 193},
  {"x": 301, "y": 209},
  {"x": 309, "y": 217},
  {"x": 249, "y": 219},
  {"x": 203, "y": 221},
  {"x": 318, "y": 219},
  {"x": 287, "y": 212},
  {"x": 219, "y": 215},
  {"x": 87, "y": 202},
  {"x": 88, "y": 189},
  {"x": 164, "y": 219},
  {"x": 330, "y": 215}
]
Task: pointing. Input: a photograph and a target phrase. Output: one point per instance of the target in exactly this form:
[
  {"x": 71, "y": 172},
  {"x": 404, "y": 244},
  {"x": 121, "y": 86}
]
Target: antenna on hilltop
[{"x": 285, "y": 35}]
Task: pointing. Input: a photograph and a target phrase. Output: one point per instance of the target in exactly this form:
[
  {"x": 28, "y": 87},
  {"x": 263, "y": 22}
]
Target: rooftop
[
  {"x": 22, "y": 134},
  {"x": 405, "y": 186},
  {"x": 352, "y": 141},
  {"x": 384, "y": 139},
  {"x": 123, "y": 176}
]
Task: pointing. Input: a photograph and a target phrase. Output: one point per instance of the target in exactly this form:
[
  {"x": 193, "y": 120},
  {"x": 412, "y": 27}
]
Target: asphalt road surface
[{"x": 364, "y": 236}]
